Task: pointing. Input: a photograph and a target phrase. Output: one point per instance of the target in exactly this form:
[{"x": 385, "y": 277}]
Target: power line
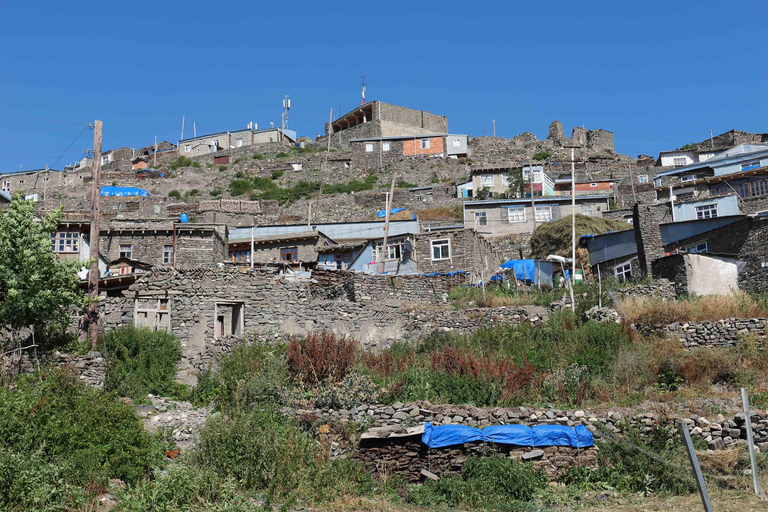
[
  {"x": 34, "y": 133},
  {"x": 43, "y": 120},
  {"x": 70, "y": 145}
]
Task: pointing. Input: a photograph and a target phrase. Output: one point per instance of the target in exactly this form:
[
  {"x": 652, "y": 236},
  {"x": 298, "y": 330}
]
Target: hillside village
[{"x": 414, "y": 249}]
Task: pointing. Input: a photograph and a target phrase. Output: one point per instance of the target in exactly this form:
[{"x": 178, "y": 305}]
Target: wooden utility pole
[
  {"x": 322, "y": 173},
  {"x": 494, "y": 128},
  {"x": 91, "y": 318},
  {"x": 390, "y": 200},
  {"x": 154, "y": 164}
]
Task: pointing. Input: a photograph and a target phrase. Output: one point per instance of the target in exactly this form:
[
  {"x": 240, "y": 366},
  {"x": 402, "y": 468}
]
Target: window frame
[
  {"x": 513, "y": 218},
  {"x": 694, "y": 249},
  {"x": 622, "y": 271},
  {"x": 104, "y": 159},
  {"x": 239, "y": 142},
  {"x": 125, "y": 253},
  {"x": 65, "y": 242},
  {"x": 369, "y": 147},
  {"x": 444, "y": 247},
  {"x": 676, "y": 161},
  {"x": 293, "y": 252},
  {"x": 642, "y": 178},
  {"x": 425, "y": 143},
  {"x": 479, "y": 216},
  {"x": 706, "y": 211},
  {"x": 385, "y": 146},
  {"x": 585, "y": 208},
  {"x": 457, "y": 143},
  {"x": 187, "y": 148},
  {"x": 540, "y": 218},
  {"x": 168, "y": 251},
  {"x": 484, "y": 180}
]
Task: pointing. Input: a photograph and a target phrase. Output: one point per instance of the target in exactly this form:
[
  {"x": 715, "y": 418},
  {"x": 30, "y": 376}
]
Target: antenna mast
[
  {"x": 287, "y": 107},
  {"x": 363, "y": 102}
]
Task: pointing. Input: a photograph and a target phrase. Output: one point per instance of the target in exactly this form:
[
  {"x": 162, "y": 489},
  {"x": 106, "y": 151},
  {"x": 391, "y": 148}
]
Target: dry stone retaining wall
[{"x": 719, "y": 333}]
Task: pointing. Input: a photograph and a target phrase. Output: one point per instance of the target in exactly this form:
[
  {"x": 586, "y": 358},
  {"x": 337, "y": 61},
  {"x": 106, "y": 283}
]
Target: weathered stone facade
[
  {"x": 646, "y": 219},
  {"x": 191, "y": 245},
  {"x": 466, "y": 251}
]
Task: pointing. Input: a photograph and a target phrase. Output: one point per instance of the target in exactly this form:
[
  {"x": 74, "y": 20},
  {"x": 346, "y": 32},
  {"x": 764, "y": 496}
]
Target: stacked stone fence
[
  {"x": 90, "y": 368},
  {"x": 659, "y": 288},
  {"x": 717, "y": 333},
  {"x": 226, "y": 206}
]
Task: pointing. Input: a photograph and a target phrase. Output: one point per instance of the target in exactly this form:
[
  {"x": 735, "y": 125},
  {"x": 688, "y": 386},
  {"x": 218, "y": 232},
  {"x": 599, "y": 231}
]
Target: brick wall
[{"x": 412, "y": 147}]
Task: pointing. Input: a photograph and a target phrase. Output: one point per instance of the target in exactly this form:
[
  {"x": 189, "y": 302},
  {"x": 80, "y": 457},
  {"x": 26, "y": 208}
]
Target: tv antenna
[{"x": 363, "y": 102}]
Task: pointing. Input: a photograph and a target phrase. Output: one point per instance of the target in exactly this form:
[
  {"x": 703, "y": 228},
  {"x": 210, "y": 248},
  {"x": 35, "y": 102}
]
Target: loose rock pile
[{"x": 181, "y": 418}]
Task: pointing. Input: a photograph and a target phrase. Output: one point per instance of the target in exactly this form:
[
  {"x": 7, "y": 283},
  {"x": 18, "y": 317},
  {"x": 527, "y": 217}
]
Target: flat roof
[
  {"x": 408, "y": 137},
  {"x": 541, "y": 200},
  {"x": 264, "y": 130}
]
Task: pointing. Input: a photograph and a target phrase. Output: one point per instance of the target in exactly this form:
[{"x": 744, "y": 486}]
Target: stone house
[
  {"x": 372, "y": 151},
  {"x": 295, "y": 249},
  {"x": 164, "y": 243},
  {"x": 499, "y": 217},
  {"x": 377, "y": 119},
  {"x": 456, "y": 249},
  {"x": 204, "y": 144},
  {"x": 36, "y": 180}
]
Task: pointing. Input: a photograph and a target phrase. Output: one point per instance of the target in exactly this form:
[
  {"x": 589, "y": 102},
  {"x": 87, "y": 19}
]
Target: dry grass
[
  {"x": 441, "y": 213},
  {"x": 655, "y": 311}
]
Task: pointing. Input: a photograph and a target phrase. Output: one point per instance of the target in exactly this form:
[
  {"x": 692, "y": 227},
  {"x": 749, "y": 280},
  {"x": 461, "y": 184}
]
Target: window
[
  {"x": 187, "y": 148},
  {"x": 505, "y": 180},
  {"x": 126, "y": 251},
  {"x": 369, "y": 147},
  {"x": 241, "y": 256},
  {"x": 708, "y": 211},
  {"x": 593, "y": 185},
  {"x": 152, "y": 313},
  {"x": 516, "y": 214},
  {"x": 63, "y": 242},
  {"x": 585, "y": 209},
  {"x": 684, "y": 195},
  {"x": 394, "y": 251},
  {"x": 104, "y": 159},
  {"x": 239, "y": 143},
  {"x": 657, "y": 182},
  {"x": 643, "y": 178},
  {"x": 486, "y": 180},
  {"x": 289, "y": 254},
  {"x": 6, "y": 185},
  {"x": 543, "y": 213},
  {"x": 441, "y": 250},
  {"x": 690, "y": 177},
  {"x": 457, "y": 143},
  {"x": 623, "y": 272},
  {"x": 424, "y": 143},
  {"x": 750, "y": 165},
  {"x": 215, "y": 142},
  {"x": 168, "y": 254},
  {"x": 385, "y": 146},
  {"x": 701, "y": 247},
  {"x": 343, "y": 261},
  {"x": 679, "y": 161},
  {"x": 481, "y": 219}
]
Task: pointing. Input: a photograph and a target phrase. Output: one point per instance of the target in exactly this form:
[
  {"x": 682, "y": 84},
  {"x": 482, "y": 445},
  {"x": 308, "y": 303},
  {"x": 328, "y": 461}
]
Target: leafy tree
[
  {"x": 37, "y": 289},
  {"x": 542, "y": 155},
  {"x": 516, "y": 183}
]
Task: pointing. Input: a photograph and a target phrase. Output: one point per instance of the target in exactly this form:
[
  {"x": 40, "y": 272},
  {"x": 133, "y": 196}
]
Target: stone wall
[
  {"x": 646, "y": 219},
  {"x": 659, "y": 288},
  {"x": 718, "y": 333},
  {"x": 90, "y": 368},
  {"x": 469, "y": 252}
]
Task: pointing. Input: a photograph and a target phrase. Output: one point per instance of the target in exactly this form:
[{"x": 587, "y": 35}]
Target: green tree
[
  {"x": 516, "y": 183},
  {"x": 37, "y": 289}
]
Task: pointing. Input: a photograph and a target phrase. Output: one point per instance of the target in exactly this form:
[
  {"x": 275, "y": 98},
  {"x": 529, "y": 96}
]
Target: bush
[
  {"x": 191, "y": 193},
  {"x": 405, "y": 184},
  {"x": 541, "y": 155},
  {"x": 183, "y": 161},
  {"x": 141, "y": 362},
  {"x": 223, "y": 168},
  {"x": 356, "y": 389},
  {"x": 215, "y": 192},
  {"x": 259, "y": 156},
  {"x": 174, "y": 193},
  {"x": 282, "y": 155},
  {"x": 86, "y": 434},
  {"x": 485, "y": 482},
  {"x": 321, "y": 356},
  {"x": 276, "y": 174}
]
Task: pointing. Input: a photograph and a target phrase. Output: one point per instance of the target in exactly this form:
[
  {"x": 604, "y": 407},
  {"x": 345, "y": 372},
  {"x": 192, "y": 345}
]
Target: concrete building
[
  {"x": 682, "y": 157},
  {"x": 563, "y": 187},
  {"x": 377, "y": 119},
  {"x": 204, "y": 144},
  {"x": 499, "y": 217}
]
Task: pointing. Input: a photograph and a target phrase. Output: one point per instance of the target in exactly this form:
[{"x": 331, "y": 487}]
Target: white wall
[{"x": 709, "y": 275}]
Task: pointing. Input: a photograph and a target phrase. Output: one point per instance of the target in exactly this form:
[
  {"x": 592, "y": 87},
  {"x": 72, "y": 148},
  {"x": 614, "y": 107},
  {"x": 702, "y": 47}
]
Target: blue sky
[{"x": 657, "y": 74}]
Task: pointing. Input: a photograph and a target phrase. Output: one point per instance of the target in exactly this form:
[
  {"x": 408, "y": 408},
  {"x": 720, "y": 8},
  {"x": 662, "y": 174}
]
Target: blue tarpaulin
[
  {"x": 521, "y": 435},
  {"x": 448, "y": 274},
  {"x": 525, "y": 270},
  {"x": 123, "y": 191},
  {"x": 383, "y": 213}
]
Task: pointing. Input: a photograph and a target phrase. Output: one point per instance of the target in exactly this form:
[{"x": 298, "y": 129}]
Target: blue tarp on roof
[
  {"x": 383, "y": 213},
  {"x": 448, "y": 274},
  {"x": 525, "y": 270},
  {"x": 521, "y": 435},
  {"x": 123, "y": 191}
]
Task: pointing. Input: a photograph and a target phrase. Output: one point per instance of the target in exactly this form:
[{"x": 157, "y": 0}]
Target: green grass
[{"x": 266, "y": 188}]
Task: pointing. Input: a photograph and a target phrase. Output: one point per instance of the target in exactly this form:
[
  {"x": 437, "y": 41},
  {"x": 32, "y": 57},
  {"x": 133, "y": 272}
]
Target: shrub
[
  {"x": 191, "y": 193},
  {"x": 282, "y": 155},
  {"x": 215, "y": 192},
  {"x": 405, "y": 184},
  {"x": 485, "y": 482},
  {"x": 355, "y": 389},
  {"x": 86, "y": 434},
  {"x": 174, "y": 193},
  {"x": 258, "y": 156},
  {"x": 183, "y": 161},
  {"x": 541, "y": 155},
  {"x": 321, "y": 356},
  {"x": 142, "y": 361},
  {"x": 222, "y": 168},
  {"x": 276, "y": 174}
]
